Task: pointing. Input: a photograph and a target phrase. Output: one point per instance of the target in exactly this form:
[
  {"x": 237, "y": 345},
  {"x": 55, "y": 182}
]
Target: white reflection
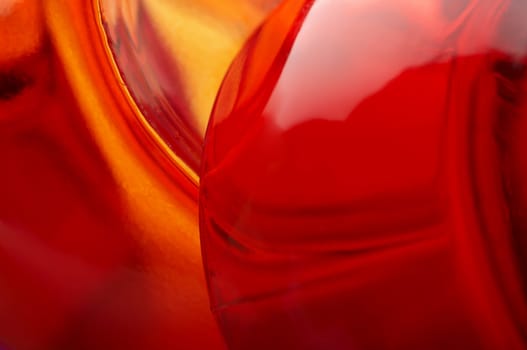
[{"x": 376, "y": 41}]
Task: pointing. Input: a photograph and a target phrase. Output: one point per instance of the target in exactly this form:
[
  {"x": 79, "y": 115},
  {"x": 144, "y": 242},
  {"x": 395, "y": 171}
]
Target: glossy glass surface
[
  {"x": 364, "y": 173},
  {"x": 172, "y": 56}
]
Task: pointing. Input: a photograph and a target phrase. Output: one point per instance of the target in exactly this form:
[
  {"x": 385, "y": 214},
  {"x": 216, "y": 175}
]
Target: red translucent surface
[{"x": 363, "y": 179}]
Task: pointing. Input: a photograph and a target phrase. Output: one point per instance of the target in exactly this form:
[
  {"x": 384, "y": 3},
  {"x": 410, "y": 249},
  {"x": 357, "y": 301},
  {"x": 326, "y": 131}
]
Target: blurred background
[{"x": 103, "y": 108}]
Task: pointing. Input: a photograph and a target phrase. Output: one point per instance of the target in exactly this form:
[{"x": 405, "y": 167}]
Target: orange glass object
[
  {"x": 99, "y": 244},
  {"x": 172, "y": 56}
]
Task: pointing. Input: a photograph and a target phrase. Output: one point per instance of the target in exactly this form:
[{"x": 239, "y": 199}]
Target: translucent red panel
[{"x": 363, "y": 179}]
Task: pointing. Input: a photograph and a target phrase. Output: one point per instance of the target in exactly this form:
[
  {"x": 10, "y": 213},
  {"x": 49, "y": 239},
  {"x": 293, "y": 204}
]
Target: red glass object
[{"x": 363, "y": 179}]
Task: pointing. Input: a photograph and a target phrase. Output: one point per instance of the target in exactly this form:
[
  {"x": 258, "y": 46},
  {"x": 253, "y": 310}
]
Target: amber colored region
[
  {"x": 364, "y": 175},
  {"x": 99, "y": 244},
  {"x": 172, "y": 56}
]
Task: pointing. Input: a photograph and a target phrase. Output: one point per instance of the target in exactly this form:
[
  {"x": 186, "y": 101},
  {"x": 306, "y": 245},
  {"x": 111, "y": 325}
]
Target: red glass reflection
[{"x": 363, "y": 179}]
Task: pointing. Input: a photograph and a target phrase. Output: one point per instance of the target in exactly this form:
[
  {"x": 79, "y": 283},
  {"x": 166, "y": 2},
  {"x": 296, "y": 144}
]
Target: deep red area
[
  {"x": 363, "y": 182},
  {"x": 64, "y": 251},
  {"x": 74, "y": 273}
]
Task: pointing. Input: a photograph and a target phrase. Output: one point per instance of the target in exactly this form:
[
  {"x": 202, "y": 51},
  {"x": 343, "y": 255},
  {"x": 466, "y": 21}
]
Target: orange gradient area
[
  {"x": 172, "y": 56},
  {"x": 99, "y": 243}
]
